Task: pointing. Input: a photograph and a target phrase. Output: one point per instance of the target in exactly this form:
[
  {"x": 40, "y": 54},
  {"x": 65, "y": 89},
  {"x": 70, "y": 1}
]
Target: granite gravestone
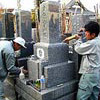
[
  {"x": 0, "y": 28},
  {"x": 51, "y": 60},
  {"x": 26, "y": 27},
  {"x": 78, "y": 21},
  {"x": 7, "y": 26}
]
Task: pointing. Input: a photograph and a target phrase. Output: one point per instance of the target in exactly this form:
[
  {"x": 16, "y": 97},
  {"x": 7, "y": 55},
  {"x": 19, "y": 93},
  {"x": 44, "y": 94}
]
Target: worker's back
[{"x": 6, "y": 48}]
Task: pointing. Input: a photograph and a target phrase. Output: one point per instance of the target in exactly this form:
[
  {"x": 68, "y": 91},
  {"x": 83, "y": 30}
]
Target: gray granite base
[
  {"x": 53, "y": 53},
  {"x": 35, "y": 68},
  {"x": 55, "y": 74},
  {"x": 59, "y": 73},
  {"x": 63, "y": 92}
]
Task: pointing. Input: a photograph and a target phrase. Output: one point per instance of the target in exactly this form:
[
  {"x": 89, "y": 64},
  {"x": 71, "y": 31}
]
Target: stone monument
[
  {"x": 78, "y": 21},
  {"x": 51, "y": 60},
  {"x": 26, "y": 27},
  {"x": 7, "y": 26}
]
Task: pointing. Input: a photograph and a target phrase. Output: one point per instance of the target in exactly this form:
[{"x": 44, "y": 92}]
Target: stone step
[{"x": 54, "y": 93}]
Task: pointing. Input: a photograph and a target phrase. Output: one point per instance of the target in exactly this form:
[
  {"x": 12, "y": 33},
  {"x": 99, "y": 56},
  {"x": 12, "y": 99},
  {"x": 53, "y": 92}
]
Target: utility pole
[{"x": 19, "y": 14}]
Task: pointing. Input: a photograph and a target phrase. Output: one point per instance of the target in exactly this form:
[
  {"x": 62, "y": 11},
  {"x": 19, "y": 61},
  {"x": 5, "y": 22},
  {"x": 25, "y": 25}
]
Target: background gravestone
[
  {"x": 26, "y": 27},
  {"x": 26, "y": 33},
  {"x": 78, "y": 21},
  {"x": 7, "y": 26}
]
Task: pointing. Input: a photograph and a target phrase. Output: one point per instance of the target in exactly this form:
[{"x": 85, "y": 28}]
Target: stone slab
[
  {"x": 35, "y": 68},
  {"x": 69, "y": 97},
  {"x": 59, "y": 73},
  {"x": 53, "y": 93},
  {"x": 0, "y": 28},
  {"x": 26, "y": 26},
  {"x": 24, "y": 95},
  {"x": 7, "y": 25},
  {"x": 55, "y": 74},
  {"x": 50, "y": 28},
  {"x": 79, "y": 21},
  {"x": 53, "y": 53}
]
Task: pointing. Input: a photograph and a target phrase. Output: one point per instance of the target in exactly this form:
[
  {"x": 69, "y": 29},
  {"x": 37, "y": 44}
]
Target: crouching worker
[
  {"x": 89, "y": 84},
  {"x": 7, "y": 60}
]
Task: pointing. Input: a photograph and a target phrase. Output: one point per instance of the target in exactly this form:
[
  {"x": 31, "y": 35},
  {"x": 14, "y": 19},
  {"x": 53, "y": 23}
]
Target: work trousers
[
  {"x": 89, "y": 86},
  {"x": 1, "y": 91}
]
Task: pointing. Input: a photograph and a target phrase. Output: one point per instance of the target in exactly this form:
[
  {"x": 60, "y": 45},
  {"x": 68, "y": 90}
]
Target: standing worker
[
  {"x": 89, "y": 84},
  {"x": 7, "y": 60}
]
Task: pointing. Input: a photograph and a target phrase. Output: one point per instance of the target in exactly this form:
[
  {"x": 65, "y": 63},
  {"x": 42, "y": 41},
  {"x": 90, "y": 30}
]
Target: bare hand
[
  {"x": 70, "y": 38},
  {"x": 77, "y": 36},
  {"x": 66, "y": 40},
  {"x": 25, "y": 71}
]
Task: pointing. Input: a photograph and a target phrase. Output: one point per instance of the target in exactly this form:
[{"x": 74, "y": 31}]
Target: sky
[{"x": 28, "y": 4}]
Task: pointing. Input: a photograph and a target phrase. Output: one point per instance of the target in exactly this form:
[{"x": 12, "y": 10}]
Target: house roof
[
  {"x": 75, "y": 2},
  {"x": 71, "y": 6}
]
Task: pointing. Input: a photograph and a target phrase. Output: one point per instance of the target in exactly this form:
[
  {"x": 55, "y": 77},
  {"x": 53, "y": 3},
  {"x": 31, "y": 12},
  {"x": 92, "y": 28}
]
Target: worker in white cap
[
  {"x": 20, "y": 41},
  {"x": 7, "y": 60}
]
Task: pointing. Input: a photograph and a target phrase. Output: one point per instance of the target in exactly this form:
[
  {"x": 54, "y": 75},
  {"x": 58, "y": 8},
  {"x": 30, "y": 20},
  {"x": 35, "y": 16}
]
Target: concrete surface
[{"x": 9, "y": 91}]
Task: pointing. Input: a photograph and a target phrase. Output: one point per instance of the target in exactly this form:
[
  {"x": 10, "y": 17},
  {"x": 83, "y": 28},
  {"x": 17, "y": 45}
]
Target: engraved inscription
[{"x": 44, "y": 20}]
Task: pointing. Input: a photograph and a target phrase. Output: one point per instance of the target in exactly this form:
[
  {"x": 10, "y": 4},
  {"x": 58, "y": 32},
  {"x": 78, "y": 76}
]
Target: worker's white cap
[{"x": 20, "y": 41}]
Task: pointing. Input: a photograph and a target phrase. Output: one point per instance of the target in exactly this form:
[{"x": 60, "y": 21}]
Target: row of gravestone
[{"x": 7, "y": 25}]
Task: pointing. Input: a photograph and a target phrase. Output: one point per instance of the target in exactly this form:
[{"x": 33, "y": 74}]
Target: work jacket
[
  {"x": 90, "y": 52},
  {"x": 7, "y": 59}
]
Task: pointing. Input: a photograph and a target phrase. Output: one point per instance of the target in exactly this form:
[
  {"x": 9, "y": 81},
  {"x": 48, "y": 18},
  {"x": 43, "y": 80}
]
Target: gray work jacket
[
  {"x": 91, "y": 55},
  {"x": 7, "y": 59}
]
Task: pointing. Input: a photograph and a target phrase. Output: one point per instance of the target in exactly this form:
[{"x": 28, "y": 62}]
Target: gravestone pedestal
[{"x": 63, "y": 92}]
